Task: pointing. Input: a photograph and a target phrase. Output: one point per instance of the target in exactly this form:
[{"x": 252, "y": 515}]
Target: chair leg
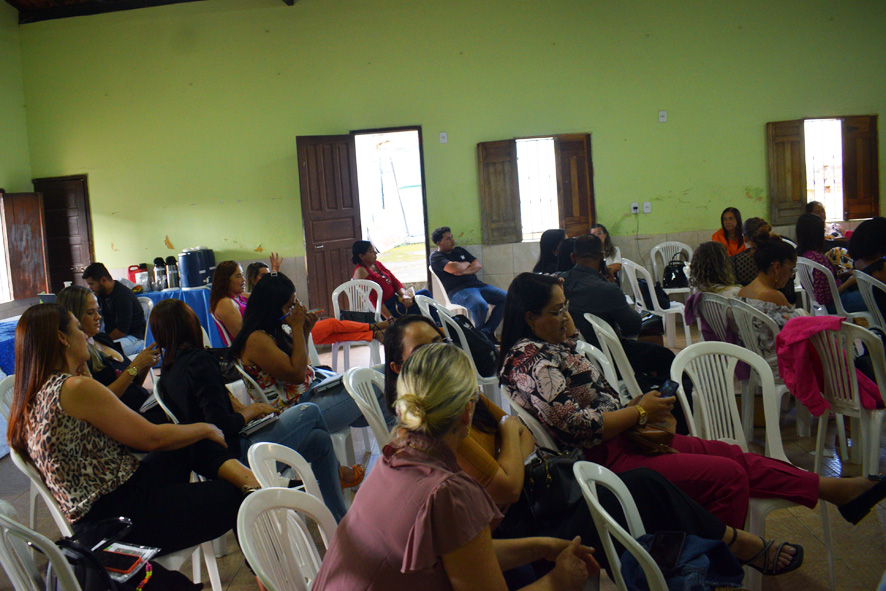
[
  {"x": 34, "y": 494},
  {"x": 687, "y": 329},
  {"x": 804, "y": 420},
  {"x": 748, "y": 391},
  {"x": 819, "y": 441},
  {"x": 335, "y": 357},
  {"x": 374, "y": 353},
  {"x": 670, "y": 329},
  {"x": 841, "y": 436},
  {"x": 347, "y": 355},
  {"x": 855, "y": 452},
  {"x": 211, "y": 566}
]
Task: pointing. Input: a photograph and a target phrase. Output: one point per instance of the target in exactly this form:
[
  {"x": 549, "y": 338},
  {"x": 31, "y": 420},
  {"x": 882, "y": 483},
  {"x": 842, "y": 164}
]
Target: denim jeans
[
  {"x": 478, "y": 300},
  {"x": 131, "y": 345},
  {"x": 340, "y": 410},
  {"x": 303, "y": 428}
]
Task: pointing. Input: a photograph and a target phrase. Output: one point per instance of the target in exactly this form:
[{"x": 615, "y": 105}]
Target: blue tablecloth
[
  {"x": 198, "y": 300},
  {"x": 7, "y": 344}
]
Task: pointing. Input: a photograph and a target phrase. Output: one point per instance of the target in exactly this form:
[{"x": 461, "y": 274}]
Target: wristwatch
[
  {"x": 132, "y": 370},
  {"x": 643, "y": 415}
]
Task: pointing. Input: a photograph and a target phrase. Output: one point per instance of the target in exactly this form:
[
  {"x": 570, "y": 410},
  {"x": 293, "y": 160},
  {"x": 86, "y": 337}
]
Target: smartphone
[
  {"x": 119, "y": 562},
  {"x": 668, "y": 388},
  {"x": 666, "y": 548}
]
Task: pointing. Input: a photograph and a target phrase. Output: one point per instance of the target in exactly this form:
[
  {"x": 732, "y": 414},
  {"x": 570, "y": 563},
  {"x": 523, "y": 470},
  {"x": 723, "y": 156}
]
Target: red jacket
[{"x": 800, "y": 367}]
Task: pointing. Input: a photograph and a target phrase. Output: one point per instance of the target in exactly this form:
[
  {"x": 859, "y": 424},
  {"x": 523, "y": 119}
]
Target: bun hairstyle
[
  {"x": 435, "y": 385},
  {"x": 770, "y": 248}
]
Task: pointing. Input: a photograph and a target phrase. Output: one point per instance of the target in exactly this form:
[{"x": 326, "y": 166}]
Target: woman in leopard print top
[{"x": 77, "y": 433}]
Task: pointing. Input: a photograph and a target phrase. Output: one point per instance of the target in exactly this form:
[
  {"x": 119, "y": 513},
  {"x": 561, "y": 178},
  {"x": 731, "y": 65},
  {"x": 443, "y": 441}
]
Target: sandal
[
  {"x": 770, "y": 566},
  {"x": 858, "y": 508},
  {"x": 359, "y": 472}
]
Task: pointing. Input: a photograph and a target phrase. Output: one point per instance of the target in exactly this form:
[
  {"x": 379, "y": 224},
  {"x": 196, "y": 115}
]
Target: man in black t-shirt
[
  {"x": 457, "y": 270},
  {"x": 121, "y": 311}
]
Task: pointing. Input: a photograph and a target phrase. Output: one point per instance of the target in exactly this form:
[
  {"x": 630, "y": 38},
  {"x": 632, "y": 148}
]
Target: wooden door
[
  {"x": 786, "y": 146},
  {"x": 500, "y": 192},
  {"x": 69, "y": 247},
  {"x": 25, "y": 244},
  {"x": 575, "y": 183},
  {"x": 330, "y": 205}
]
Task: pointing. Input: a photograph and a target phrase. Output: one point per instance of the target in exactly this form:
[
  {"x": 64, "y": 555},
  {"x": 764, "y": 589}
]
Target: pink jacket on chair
[{"x": 800, "y": 367}]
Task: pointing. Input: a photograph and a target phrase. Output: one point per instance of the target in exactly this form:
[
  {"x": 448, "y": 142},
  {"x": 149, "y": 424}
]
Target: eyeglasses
[{"x": 562, "y": 312}]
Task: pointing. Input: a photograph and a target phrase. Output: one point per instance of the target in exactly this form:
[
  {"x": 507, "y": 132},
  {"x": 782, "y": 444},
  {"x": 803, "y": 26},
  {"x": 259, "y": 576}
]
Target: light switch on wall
[
  {"x": 443, "y": 137},
  {"x": 662, "y": 116},
  {"x": 647, "y": 207}
]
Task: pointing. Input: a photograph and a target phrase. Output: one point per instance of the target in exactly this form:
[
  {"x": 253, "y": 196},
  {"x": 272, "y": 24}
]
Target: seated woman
[
  {"x": 548, "y": 246},
  {"x": 419, "y": 521},
  {"x": 542, "y": 371},
  {"x": 397, "y": 300},
  {"x": 743, "y": 264},
  {"x": 77, "y": 434},
  {"x": 710, "y": 271},
  {"x": 107, "y": 364},
  {"x": 193, "y": 387},
  {"x": 810, "y": 245},
  {"x": 257, "y": 269},
  {"x": 729, "y": 234},
  {"x": 867, "y": 247},
  {"x": 274, "y": 358},
  {"x": 228, "y": 298},
  {"x": 497, "y": 446},
  {"x": 611, "y": 253}
]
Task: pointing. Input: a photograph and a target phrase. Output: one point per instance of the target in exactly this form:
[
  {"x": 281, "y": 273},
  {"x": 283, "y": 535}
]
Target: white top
[{"x": 614, "y": 259}]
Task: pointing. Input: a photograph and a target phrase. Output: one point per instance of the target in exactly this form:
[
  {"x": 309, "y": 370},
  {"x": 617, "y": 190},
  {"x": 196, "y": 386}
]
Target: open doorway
[
  {"x": 824, "y": 164},
  {"x": 393, "y": 214}
]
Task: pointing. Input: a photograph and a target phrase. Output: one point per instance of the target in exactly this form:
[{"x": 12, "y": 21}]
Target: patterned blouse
[
  {"x": 561, "y": 387},
  {"x": 778, "y": 314},
  {"x": 78, "y": 463},
  {"x": 281, "y": 394},
  {"x": 821, "y": 289}
]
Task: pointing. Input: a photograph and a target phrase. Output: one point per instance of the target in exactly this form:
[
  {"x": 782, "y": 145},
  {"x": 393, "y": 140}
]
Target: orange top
[{"x": 732, "y": 248}]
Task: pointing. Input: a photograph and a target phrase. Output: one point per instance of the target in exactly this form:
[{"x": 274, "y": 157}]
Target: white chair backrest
[
  {"x": 222, "y": 331},
  {"x": 711, "y": 367},
  {"x": 18, "y": 562},
  {"x": 791, "y": 242},
  {"x": 264, "y": 458},
  {"x": 255, "y": 391},
  {"x": 600, "y": 359},
  {"x": 867, "y": 285},
  {"x": 7, "y": 391},
  {"x": 542, "y": 436},
  {"x": 437, "y": 289},
  {"x": 452, "y": 329},
  {"x": 147, "y": 305},
  {"x": 423, "y": 303},
  {"x": 610, "y": 345},
  {"x": 169, "y": 414},
  {"x": 836, "y": 350},
  {"x": 206, "y": 341},
  {"x": 590, "y": 475},
  {"x": 271, "y": 533},
  {"x": 661, "y": 255},
  {"x": 752, "y": 327},
  {"x": 714, "y": 309},
  {"x": 357, "y": 293},
  {"x": 634, "y": 273},
  {"x": 361, "y": 382},
  {"x": 805, "y": 272},
  {"x": 313, "y": 355},
  {"x": 29, "y": 470}
]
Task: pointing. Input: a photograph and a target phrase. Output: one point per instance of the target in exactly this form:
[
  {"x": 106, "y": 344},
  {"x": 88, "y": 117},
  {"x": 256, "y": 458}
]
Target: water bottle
[{"x": 160, "y": 282}]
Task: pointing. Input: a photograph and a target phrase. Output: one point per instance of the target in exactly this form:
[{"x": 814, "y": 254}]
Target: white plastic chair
[
  {"x": 357, "y": 292},
  {"x": 7, "y": 391},
  {"x": 867, "y": 286},
  {"x": 439, "y": 293},
  {"x": 454, "y": 331},
  {"x": 632, "y": 270},
  {"x": 661, "y": 255},
  {"x": 269, "y": 526},
  {"x": 541, "y": 435},
  {"x": 714, "y": 309},
  {"x": 361, "y": 382},
  {"x": 590, "y": 475},
  {"x": 206, "y": 341},
  {"x": 805, "y": 271},
  {"x": 600, "y": 359},
  {"x": 313, "y": 355},
  {"x": 147, "y": 305},
  {"x": 611, "y": 346},
  {"x": 711, "y": 367},
  {"x": 222, "y": 331},
  {"x": 18, "y": 563},
  {"x": 264, "y": 459},
  {"x": 170, "y": 561},
  {"x": 836, "y": 350}
]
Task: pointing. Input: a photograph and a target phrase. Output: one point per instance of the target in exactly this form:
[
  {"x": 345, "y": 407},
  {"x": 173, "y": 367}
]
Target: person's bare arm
[
  {"x": 87, "y": 400},
  {"x": 507, "y": 483},
  {"x": 473, "y": 267},
  {"x": 228, "y": 313},
  {"x": 262, "y": 351},
  {"x": 618, "y": 421},
  {"x": 454, "y": 268},
  {"x": 143, "y": 361},
  {"x": 360, "y": 273}
]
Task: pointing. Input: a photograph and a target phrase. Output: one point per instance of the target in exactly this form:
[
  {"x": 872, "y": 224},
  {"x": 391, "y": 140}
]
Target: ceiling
[{"x": 30, "y": 11}]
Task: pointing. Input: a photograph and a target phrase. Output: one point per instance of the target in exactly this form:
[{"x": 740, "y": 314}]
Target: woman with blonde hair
[
  {"x": 710, "y": 271},
  {"x": 419, "y": 520}
]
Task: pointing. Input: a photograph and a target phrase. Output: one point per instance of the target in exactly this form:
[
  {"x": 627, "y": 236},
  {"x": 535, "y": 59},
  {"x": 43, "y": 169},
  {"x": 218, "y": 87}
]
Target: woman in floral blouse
[{"x": 542, "y": 371}]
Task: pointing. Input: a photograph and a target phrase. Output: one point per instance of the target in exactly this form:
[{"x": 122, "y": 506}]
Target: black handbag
[
  {"x": 88, "y": 569},
  {"x": 364, "y": 317},
  {"x": 675, "y": 273},
  {"x": 663, "y": 300}
]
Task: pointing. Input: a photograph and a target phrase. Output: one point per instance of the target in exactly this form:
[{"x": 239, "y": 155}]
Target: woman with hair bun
[
  {"x": 419, "y": 521},
  {"x": 729, "y": 234}
]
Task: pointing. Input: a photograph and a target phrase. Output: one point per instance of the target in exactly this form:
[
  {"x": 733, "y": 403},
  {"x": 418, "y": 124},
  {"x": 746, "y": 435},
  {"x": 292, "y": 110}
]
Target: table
[{"x": 198, "y": 300}]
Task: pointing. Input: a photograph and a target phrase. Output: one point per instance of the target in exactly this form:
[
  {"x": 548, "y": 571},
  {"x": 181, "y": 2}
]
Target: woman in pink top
[
  {"x": 227, "y": 300},
  {"x": 419, "y": 521},
  {"x": 397, "y": 300},
  {"x": 729, "y": 234}
]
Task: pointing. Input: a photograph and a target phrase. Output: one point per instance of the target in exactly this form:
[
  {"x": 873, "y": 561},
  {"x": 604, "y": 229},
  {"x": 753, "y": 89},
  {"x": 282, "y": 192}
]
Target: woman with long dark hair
[
  {"x": 78, "y": 434},
  {"x": 611, "y": 253},
  {"x": 548, "y": 245},
  {"x": 228, "y": 298},
  {"x": 729, "y": 234},
  {"x": 274, "y": 357},
  {"x": 542, "y": 371},
  {"x": 811, "y": 245},
  {"x": 193, "y": 387}
]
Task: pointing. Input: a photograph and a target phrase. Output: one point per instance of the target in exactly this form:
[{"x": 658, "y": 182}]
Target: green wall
[
  {"x": 185, "y": 117},
  {"x": 15, "y": 167}
]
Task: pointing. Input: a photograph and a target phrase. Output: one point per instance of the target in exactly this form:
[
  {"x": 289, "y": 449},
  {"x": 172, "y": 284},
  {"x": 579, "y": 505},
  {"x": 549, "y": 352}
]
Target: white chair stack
[
  {"x": 634, "y": 272},
  {"x": 357, "y": 293}
]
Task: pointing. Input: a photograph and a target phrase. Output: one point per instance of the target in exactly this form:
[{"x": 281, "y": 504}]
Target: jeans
[
  {"x": 851, "y": 300},
  {"x": 478, "y": 300},
  {"x": 340, "y": 410},
  {"x": 303, "y": 428},
  {"x": 131, "y": 345}
]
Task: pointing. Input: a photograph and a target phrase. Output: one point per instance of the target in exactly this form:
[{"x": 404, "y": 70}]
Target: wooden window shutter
[
  {"x": 861, "y": 181},
  {"x": 499, "y": 192},
  {"x": 787, "y": 171},
  {"x": 575, "y": 183}
]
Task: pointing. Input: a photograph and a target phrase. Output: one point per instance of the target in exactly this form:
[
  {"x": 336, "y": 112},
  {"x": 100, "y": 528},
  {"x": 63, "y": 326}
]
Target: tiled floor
[{"x": 859, "y": 552}]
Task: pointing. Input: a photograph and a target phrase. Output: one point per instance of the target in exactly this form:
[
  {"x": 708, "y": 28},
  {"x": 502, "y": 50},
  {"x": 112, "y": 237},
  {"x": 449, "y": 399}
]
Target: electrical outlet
[
  {"x": 647, "y": 207},
  {"x": 662, "y": 116},
  {"x": 635, "y": 207},
  {"x": 444, "y": 137}
]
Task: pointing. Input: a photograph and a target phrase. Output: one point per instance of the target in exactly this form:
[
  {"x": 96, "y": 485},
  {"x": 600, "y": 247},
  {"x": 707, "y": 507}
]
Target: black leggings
[{"x": 168, "y": 511}]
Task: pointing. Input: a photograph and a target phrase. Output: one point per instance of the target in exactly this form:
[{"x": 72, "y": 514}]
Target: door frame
[
  {"x": 424, "y": 193},
  {"x": 84, "y": 179}
]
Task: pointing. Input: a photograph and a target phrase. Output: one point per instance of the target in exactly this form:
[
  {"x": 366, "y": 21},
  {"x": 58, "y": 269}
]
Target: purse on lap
[{"x": 654, "y": 439}]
